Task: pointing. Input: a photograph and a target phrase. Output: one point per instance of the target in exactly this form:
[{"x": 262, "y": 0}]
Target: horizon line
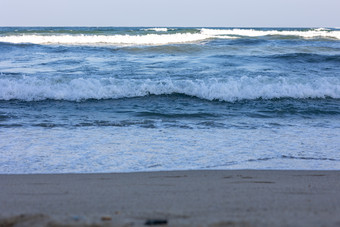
[{"x": 122, "y": 26}]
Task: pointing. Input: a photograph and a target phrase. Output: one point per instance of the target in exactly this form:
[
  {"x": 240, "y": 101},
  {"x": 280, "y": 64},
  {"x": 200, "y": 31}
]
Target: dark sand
[{"x": 179, "y": 198}]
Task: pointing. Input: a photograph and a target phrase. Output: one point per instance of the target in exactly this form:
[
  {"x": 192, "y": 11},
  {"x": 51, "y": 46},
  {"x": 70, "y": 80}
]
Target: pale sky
[{"x": 161, "y": 13}]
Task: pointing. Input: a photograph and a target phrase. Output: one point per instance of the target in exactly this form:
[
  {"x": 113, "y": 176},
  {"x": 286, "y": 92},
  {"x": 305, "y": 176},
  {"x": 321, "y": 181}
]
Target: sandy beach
[{"x": 176, "y": 198}]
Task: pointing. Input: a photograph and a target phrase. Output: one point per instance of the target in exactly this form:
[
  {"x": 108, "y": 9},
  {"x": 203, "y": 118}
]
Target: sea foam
[
  {"x": 308, "y": 34},
  {"x": 156, "y": 29},
  {"x": 164, "y": 38},
  {"x": 149, "y": 39},
  {"x": 231, "y": 89}
]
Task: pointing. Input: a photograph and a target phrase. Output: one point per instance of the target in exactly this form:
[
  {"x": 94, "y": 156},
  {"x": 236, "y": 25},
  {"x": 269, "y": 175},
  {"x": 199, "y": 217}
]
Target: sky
[{"x": 171, "y": 13}]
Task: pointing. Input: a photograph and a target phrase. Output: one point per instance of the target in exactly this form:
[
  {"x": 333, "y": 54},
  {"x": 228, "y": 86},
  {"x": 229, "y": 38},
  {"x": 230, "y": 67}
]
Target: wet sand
[{"x": 175, "y": 198}]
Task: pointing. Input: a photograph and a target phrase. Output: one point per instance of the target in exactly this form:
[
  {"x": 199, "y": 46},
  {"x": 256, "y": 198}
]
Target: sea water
[{"x": 114, "y": 99}]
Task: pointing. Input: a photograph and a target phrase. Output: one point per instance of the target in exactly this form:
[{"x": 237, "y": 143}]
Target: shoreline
[{"x": 172, "y": 198}]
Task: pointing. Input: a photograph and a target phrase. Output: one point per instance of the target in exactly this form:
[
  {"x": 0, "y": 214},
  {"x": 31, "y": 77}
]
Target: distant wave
[
  {"x": 231, "y": 89},
  {"x": 156, "y": 29},
  {"x": 308, "y": 34},
  {"x": 148, "y": 39},
  {"x": 162, "y": 39}
]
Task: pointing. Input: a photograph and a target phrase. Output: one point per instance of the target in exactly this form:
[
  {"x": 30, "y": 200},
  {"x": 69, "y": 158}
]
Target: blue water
[{"x": 144, "y": 99}]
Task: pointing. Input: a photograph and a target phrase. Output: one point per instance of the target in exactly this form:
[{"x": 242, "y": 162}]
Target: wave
[
  {"x": 194, "y": 36},
  {"x": 308, "y": 34},
  {"x": 148, "y": 39},
  {"x": 231, "y": 89},
  {"x": 156, "y": 29},
  {"x": 305, "y": 57}
]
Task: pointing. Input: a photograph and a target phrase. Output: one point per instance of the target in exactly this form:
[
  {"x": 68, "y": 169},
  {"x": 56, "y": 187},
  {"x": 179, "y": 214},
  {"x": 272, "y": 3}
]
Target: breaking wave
[
  {"x": 149, "y": 39},
  {"x": 307, "y": 34},
  {"x": 196, "y": 35},
  {"x": 156, "y": 29},
  {"x": 231, "y": 89}
]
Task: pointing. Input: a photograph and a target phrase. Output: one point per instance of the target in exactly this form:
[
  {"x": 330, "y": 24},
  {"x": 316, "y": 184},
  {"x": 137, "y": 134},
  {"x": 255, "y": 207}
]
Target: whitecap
[
  {"x": 149, "y": 39},
  {"x": 308, "y": 34},
  {"x": 156, "y": 29},
  {"x": 231, "y": 89}
]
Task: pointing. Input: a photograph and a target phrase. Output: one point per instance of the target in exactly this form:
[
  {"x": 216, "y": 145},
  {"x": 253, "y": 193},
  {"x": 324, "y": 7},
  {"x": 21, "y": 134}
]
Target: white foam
[
  {"x": 322, "y": 29},
  {"x": 162, "y": 39},
  {"x": 231, "y": 89},
  {"x": 312, "y": 33},
  {"x": 149, "y": 39},
  {"x": 156, "y": 29}
]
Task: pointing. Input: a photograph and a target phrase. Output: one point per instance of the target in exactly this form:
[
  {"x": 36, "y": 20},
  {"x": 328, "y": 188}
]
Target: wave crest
[
  {"x": 149, "y": 39},
  {"x": 308, "y": 34},
  {"x": 156, "y": 29},
  {"x": 231, "y": 89},
  {"x": 163, "y": 38}
]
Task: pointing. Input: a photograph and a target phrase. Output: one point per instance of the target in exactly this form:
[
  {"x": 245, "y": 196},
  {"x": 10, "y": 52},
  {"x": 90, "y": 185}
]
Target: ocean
[{"x": 111, "y": 99}]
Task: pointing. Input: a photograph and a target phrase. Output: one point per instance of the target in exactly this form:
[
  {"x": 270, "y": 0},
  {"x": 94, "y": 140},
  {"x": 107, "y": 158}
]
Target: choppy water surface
[{"x": 144, "y": 99}]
